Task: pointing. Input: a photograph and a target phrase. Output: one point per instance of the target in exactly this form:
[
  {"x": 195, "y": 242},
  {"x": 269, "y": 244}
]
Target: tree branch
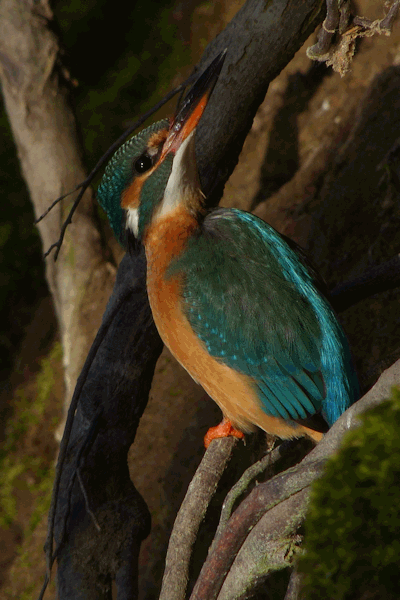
[
  {"x": 262, "y": 499},
  {"x": 190, "y": 515},
  {"x": 376, "y": 280}
]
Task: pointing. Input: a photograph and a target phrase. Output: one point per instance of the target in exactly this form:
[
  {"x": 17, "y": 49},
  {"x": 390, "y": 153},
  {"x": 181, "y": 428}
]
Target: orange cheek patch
[{"x": 131, "y": 196}]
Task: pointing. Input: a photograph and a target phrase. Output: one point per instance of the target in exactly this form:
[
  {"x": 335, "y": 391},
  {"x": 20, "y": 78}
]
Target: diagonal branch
[{"x": 261, "y": 500}]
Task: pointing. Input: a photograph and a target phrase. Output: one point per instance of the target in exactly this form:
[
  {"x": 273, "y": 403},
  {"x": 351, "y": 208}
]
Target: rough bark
[{"x": 101, "y": 519}]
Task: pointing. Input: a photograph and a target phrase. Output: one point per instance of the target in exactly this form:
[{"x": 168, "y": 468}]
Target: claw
[{"x": 224, "y": 429}]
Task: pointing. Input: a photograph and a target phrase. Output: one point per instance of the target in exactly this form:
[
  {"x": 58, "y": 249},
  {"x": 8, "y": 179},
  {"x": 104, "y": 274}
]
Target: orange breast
[{"x": 233, "y": 391}]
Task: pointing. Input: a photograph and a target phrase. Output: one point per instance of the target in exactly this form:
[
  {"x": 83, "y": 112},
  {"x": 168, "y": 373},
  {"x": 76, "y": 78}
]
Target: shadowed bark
[{"x": 97, "y": 547}]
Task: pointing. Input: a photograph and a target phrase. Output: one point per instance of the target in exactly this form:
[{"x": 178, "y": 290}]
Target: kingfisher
[{"x": 236, "y": 303}]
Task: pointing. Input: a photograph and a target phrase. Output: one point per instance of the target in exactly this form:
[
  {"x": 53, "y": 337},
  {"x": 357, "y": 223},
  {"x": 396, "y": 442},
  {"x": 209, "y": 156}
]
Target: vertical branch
[{"x": 190, "y": 516}]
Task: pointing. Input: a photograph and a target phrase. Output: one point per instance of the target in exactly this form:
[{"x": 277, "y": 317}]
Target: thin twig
[
  {"x": 241, "y": 486},
  {"x": 380, "y": 25},
  {"x": 338, "y": 20},
  {"x": 387, "y": 22},
  {"x": 329, "y": 27},
  {"x": 44, "y": 586}
]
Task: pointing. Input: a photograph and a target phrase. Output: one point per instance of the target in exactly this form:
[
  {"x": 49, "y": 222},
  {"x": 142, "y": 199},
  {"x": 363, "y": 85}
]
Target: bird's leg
[{"x": 224, "y": 429}]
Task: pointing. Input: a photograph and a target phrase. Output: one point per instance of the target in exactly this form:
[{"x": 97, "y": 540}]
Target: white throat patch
[
  {"x": 132, "y": 220},
  {"x": 184, "y": 182}
]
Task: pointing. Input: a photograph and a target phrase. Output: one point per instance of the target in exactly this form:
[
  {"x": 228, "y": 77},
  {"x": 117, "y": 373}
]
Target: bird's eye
[{"x": 143, "y": 163}]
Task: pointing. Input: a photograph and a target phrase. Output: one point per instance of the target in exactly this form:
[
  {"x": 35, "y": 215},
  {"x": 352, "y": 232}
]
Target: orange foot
[{"x": 224, "y": 429}]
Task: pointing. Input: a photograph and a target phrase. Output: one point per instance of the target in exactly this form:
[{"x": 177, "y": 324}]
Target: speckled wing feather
[{"x": 252, "y": 301}]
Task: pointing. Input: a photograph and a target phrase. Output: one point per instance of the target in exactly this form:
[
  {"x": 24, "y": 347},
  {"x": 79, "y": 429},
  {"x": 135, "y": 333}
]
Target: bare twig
[
  {"x": 293, "y": 589},
  {"x": 262, "y": 499},
  {"x": 380, "y": 25},
  {"x": 375, "y": 280},
  {"x": 330, "y": 26},
  {"x": 387, "y": 23},
  {"x": 272, "y": 545},
  {"x": 241, "y": 486},
  {"x": 190, "y": 515},
  {"x": 285, "y": 498}
]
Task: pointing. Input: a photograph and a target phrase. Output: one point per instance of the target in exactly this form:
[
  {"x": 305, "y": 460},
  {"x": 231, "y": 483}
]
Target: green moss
[
  {"x": 45, "y": 378},
  {"x": 15, "y": 466},
  {"x": 42, "y": 505},
  {"x": 27, "y": 593},
  {"x": 8, "y": 506},
  {"x": 352, "y": 542}
]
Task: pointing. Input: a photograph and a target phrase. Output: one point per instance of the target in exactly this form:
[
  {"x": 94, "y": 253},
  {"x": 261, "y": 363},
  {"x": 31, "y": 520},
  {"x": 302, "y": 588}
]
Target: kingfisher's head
[{"x": 155, "y": 171}]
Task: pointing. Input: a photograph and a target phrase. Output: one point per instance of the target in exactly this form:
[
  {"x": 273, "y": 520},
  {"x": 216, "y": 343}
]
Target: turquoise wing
[{"x": 252, "y": 300}]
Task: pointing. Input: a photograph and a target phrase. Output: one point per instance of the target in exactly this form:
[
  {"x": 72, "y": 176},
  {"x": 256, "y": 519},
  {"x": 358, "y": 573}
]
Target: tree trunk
[{"x": 36, "y": 95}]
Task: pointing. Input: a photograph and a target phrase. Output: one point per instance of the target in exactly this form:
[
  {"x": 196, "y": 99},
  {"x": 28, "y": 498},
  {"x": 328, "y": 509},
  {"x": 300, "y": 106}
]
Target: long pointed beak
[{"x": 193, "y": 106}]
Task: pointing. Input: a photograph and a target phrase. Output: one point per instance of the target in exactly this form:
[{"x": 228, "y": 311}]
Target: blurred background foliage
[{"x": 121, "y": 59}]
